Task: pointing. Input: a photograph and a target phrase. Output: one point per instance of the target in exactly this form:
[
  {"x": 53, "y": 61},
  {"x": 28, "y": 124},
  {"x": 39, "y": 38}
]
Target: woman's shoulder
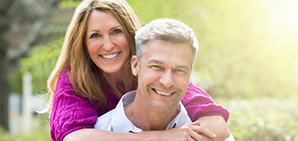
[
  {"x": 195, "y": 88},
  {"x": 65, "y": 91},
  {"x": 63, "y": 82},
  {"x": 64, "y": 77}
]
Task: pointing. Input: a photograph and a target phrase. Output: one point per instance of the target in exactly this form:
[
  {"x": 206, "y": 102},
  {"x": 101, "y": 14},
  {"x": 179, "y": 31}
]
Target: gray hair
[{"x": 167, "y": 30}]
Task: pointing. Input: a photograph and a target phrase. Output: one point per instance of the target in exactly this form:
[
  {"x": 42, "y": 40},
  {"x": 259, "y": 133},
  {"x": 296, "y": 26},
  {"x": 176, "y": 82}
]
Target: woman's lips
[{"x": 110, "y": 56}]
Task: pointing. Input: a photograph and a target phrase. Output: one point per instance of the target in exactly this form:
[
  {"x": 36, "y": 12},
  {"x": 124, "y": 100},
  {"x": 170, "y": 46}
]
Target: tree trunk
[
  {"x": 4, "y": 63},
  {"x": 4, "y": 90},
  {"x": 8, "y": 57}
]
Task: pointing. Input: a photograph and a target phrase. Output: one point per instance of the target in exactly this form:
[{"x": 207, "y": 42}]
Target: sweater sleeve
[
  {"x": 198, "y": 103},
  {"x": 69, "y": 112}
]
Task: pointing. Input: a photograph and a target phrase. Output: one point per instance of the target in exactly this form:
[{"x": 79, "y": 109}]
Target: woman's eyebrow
[
  {"x": 115, "y": 27},
  {"x": 93, "y": 30}
]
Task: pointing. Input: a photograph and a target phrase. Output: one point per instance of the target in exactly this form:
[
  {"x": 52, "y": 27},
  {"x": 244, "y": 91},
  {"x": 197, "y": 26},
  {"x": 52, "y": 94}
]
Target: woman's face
[{"x": 106, "y": 42}]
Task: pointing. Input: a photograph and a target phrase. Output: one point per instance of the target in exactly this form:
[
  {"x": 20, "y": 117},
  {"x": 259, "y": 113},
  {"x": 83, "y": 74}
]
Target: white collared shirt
[{"x": 116, "y": 120}]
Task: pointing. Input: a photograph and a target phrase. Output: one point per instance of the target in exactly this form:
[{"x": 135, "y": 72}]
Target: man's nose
[
  {"x": 167, "y": 79},
  {"x": 108, "y": 44}
]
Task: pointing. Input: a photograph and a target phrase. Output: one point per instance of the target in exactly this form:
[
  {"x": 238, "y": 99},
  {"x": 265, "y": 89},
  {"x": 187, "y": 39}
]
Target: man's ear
[{"x": 134, "y": 65}]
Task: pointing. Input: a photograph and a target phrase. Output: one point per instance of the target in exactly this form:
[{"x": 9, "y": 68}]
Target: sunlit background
[{"x": 247, "y": 61}]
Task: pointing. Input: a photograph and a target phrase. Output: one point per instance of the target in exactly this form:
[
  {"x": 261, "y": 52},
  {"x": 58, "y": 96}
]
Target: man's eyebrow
[
  {"x": 155, "y": 61},
  {"x": 161, "y": 63},
  {"x": 183, "y": 67}
]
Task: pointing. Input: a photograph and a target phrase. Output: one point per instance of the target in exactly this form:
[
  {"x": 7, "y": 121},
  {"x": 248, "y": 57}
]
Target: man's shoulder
[
  {"x": 111, "y": 118},
  {"x": 104, "y": 122}
]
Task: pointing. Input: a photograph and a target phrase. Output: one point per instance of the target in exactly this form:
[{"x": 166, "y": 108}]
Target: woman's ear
[{"x": 134, "y": 65}]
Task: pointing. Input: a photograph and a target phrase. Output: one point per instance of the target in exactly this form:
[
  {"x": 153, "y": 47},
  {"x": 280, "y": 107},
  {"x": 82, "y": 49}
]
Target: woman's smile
[{"x": 110, "y": 56}]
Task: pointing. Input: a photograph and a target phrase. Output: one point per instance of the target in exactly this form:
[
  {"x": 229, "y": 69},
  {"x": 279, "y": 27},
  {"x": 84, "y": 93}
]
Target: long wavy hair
[{"x": 85, "y": 75}]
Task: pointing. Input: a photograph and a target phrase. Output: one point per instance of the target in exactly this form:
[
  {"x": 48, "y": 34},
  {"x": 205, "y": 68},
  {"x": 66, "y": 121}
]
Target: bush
[{"x": 266, "y": 119}]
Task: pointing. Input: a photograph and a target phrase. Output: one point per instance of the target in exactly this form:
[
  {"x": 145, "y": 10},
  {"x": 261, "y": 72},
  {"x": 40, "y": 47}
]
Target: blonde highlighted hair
[{"x": 84, "y": 76}]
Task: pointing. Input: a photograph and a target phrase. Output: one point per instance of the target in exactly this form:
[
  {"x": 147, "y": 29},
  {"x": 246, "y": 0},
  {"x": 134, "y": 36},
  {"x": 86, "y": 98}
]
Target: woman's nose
[{"x": 108, "y": 44}]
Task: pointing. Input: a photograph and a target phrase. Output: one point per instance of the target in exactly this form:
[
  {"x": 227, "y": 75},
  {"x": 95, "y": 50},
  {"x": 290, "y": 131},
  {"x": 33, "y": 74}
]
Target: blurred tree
[
  {"x": 20, "y": 23},
  {"x": 4, "y": 23},
  {"x": 43, "y": 56},
  {"x": 236, "y": 38}
]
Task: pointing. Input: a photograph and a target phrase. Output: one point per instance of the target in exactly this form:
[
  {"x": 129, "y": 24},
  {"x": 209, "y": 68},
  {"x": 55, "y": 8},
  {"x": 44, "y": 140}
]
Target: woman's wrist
[{"x": 151, "y": 135}]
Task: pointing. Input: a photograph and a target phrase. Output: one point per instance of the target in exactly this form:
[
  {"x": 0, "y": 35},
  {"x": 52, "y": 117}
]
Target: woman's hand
[{"x": 189, "y": 132}]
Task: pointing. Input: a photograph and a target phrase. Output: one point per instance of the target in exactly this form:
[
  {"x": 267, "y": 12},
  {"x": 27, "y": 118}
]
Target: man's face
[{"x": 163, "y": 73}]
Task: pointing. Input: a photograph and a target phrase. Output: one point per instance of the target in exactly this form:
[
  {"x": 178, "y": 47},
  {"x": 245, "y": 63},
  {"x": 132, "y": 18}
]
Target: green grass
[
  {"x": 40, "y": 132},
  {"x": 265, "y": 119}
]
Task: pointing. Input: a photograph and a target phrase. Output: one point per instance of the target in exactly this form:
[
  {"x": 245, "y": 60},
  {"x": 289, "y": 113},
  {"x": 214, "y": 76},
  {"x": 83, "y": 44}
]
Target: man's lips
[{"x": 163, "y": 93}]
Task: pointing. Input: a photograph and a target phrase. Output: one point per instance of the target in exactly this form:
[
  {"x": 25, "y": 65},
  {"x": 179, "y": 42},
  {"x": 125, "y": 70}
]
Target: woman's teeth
[
  {"x": 162, "y": 93},
  {"x": 110, "y": 56}
]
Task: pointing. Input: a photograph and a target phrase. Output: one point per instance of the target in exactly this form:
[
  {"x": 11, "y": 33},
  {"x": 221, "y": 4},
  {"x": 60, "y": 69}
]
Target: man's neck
[{"x": 146, "y": 118}]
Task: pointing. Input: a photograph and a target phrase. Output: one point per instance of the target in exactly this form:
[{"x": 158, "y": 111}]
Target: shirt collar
[
  {"x": 181, "y": 119},
  {"x": 120, "y": 123}
]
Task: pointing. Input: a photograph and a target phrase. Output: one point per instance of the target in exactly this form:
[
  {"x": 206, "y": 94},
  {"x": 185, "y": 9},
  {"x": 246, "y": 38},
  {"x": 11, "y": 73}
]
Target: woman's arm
[
  {"x": 201, "y": 107},
  {"x": 187, "y": 132},
  {"x": 217, "y": 125},
  {"x": 69, "y": 111}
]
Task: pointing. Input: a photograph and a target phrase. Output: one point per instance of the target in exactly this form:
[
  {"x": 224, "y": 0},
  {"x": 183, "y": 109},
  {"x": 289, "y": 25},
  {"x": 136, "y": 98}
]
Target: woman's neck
[{"x": 120, "y": 82}]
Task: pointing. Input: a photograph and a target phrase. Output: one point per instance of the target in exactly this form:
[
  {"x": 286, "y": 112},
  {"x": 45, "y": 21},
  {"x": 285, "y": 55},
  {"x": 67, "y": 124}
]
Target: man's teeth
[
  {"x": 110, "y": 56},
  {"x": 162, "y": 93}
]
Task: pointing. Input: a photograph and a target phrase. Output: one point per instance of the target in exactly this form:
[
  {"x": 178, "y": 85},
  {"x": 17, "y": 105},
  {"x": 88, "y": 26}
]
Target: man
[{"x": 166, "y": 50}]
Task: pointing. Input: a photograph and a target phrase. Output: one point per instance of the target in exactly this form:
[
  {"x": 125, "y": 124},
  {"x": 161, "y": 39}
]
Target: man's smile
[{"x": 163, "y": 93}]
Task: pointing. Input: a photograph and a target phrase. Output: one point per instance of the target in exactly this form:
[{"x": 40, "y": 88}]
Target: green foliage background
[{"x": 247, "y": 60}]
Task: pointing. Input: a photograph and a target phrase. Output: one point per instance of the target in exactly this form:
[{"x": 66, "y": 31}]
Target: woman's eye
[
  {"x": 95, "y": 35},
  {"x": 116, "y": 31}
]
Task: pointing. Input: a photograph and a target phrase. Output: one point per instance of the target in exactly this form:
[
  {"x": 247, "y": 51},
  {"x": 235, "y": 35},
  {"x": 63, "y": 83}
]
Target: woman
[{"x": 93, "y": 72}]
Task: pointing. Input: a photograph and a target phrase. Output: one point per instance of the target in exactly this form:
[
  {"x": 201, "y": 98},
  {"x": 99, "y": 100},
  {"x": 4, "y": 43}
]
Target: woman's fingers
[
  {"x": 195, "y": 136},
  {"x": 189, "y": 132},
  {"x": 195, "y": 126}
]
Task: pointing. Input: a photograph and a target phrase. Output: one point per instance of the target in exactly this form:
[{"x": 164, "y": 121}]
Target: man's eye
[
  {"x": 156, "y": 67},
  {"x": 116, "y": 31},
  {"x": 180, "y": 71},
  {"x": 95, "y": 35}
]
